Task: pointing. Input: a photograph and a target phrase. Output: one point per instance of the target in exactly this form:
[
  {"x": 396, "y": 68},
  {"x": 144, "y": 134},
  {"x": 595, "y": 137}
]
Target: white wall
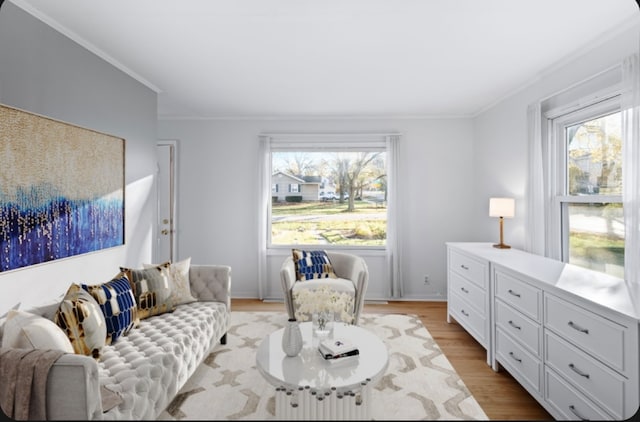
[
  {"x": 43, "y": 72},
  {"x": 219, "y": 225},
  {"x": 501, "y": 133}
]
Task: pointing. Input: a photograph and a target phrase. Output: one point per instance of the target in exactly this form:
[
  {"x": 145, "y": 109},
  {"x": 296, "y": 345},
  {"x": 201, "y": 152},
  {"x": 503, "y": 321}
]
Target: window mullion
[{"x": 590, "y": 199}]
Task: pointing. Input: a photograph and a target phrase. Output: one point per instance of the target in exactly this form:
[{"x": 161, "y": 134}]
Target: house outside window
[{"x": 586, "y": 186}]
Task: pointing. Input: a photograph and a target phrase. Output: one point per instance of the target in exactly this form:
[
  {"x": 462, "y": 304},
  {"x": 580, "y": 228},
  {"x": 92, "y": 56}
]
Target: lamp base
[{"x": 501, "y": 246}]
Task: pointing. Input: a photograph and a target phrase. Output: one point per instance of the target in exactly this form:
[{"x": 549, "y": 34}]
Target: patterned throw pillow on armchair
[{"x": 312, "y": 265}]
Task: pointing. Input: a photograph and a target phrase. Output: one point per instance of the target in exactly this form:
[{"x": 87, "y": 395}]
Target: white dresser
[
  {"x": 468, "y": 298},
  {"x": 569, "y": 335}
]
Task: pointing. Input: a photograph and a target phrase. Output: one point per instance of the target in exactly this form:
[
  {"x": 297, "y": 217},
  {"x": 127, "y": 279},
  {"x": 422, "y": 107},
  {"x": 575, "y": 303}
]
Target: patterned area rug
[{"x": 420, "y": 383}]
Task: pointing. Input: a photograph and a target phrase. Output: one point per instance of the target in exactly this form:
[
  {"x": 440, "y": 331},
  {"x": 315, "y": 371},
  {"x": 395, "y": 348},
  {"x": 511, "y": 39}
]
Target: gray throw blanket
[{"x": 24, "y": 375}]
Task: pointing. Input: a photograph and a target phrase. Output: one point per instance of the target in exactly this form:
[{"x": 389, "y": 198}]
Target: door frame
[{"x": 173, "y": 189}]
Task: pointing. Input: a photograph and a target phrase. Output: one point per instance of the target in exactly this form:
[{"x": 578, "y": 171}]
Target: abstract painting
[{"x": 61, "y": 189}]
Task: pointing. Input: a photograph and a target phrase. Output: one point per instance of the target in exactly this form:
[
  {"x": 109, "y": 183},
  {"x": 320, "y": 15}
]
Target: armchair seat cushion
[{"x": 338, "y": 284}]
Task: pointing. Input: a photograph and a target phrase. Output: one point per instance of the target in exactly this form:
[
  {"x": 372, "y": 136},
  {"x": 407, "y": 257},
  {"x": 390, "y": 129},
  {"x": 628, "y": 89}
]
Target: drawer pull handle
[
  {"x": 575, "y": 412},
  {"x": 578, "y": 371},
  {"x": 464, "y": 290},
  {"x": 514, "y": 357},
  {"x": 577, "y": 327},
  {"x": 464, "y": 267},
  {"x": 514, "y": 325},
  {"x": 464, "y": 313},
  {"x": 514, "y": 293}
]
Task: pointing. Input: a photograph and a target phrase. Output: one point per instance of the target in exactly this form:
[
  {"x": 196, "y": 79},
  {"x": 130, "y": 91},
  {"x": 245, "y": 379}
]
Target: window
[
  {"x": 350, "y": 211},
  {"x": 345, "y": 197},
  {"x": 586, "y": 184}
]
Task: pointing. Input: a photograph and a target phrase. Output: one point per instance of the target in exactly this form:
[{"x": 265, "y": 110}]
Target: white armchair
[{"x": 353, "y": 278}]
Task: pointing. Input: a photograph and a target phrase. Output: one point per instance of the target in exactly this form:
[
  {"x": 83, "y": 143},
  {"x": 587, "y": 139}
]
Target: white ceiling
[{"x": 324, "y": 58}]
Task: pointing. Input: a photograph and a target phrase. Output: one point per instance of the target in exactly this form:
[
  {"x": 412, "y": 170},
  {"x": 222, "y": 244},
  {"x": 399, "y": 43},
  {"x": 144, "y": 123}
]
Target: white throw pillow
[
  {"x": 24, "y": 330},
  {"x": 3, "y": 319},
  {"x": 179, "y": 279}
]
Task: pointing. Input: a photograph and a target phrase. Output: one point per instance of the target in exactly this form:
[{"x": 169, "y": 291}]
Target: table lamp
[{"x": 503, "y": 208}]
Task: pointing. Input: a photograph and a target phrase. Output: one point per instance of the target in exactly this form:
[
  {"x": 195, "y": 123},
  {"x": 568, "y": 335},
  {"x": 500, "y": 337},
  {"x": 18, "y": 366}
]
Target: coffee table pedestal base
[{"x": 308, "y": 404}]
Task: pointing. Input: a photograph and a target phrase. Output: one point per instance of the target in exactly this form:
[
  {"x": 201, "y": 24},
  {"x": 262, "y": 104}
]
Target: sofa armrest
[
  {"x": 211, "y": 283},
  {"x": 73, "y": 389}
]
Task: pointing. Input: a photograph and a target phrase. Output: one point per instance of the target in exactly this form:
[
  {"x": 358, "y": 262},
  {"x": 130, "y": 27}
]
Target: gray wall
[{"x": 43, "y": 72}]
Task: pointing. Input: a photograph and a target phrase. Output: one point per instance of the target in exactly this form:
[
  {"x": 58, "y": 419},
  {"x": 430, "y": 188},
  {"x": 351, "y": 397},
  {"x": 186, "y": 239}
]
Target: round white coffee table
[{"x": 309, "y": 387}]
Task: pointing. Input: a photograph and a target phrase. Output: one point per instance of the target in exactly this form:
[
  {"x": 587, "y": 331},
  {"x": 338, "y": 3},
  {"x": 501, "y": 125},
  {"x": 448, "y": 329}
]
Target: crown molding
[
  {"x": 607, "y": 36},
  {"x": 299, "y": 117},
  {"x": 84, "y": 43}
]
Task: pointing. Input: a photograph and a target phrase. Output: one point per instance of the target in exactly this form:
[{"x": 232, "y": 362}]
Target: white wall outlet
[{"x": 426, "y": 279}]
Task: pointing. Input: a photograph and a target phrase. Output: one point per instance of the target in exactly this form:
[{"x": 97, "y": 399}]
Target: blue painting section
[{"x": 57, "y": 228}]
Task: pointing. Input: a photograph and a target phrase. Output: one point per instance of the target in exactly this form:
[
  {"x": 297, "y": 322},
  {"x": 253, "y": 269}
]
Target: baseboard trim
[{"x": 367, "y": 302}]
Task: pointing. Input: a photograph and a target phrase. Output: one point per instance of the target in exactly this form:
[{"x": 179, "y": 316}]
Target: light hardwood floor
[{"x": 500, "y": 396}]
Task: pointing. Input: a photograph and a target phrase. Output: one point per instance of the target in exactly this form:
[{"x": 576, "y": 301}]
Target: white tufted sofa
[{"x": 149, "y": 365}]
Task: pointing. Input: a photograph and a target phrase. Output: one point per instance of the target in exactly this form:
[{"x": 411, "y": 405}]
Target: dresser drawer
[
  {"x": 588, "y": 375},
  {"x": 520, "y": 295},
  {"x": 467, "y": 316},
  {"x": 525, "y": 367},
  {"x": 519, "y": 327},
  {"x": 597, "y": 335},
  {"x": 469, "y": 291},
  {"x": 472, "y": 269},
  {"x": 567, "y": 401}
]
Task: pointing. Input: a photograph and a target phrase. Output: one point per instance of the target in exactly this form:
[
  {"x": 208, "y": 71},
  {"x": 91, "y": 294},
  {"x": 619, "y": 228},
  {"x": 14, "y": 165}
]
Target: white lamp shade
[{"x": 502, "y": 207}]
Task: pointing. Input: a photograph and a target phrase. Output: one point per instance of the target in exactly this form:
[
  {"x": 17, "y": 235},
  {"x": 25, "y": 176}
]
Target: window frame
[
  {"x": 346, "y": 147},
  {"x": 329, "y": 143},
  {"x": 557, "y": 153}
]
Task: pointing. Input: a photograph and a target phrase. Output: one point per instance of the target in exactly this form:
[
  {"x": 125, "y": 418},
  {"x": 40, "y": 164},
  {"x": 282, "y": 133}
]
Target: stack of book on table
[{"x": 336, "y": 348}]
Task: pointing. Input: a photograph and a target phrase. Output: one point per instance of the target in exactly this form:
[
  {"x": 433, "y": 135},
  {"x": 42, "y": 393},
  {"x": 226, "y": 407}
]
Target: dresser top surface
[{"x": 605, "y": 290}]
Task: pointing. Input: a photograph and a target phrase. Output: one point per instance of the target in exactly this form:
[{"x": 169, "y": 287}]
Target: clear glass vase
[{"x": 322, "y": 323}]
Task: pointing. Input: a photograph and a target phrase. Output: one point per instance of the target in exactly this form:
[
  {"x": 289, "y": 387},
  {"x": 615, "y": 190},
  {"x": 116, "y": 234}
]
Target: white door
[{"x": 167, "y": 241}]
